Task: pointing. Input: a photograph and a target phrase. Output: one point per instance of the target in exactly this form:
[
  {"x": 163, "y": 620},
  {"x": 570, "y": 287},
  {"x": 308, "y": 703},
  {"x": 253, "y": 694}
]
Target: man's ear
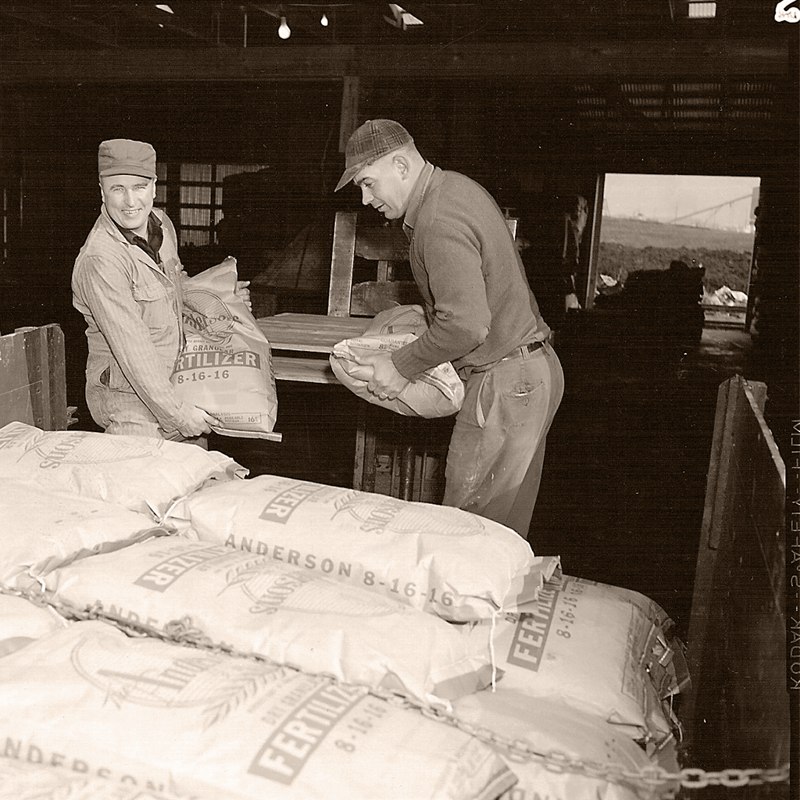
[{"x": 402, "y": 165}]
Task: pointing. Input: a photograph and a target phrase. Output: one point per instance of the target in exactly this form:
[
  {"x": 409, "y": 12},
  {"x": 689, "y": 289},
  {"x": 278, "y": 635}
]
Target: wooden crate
[{"x": 33, "y": 378}]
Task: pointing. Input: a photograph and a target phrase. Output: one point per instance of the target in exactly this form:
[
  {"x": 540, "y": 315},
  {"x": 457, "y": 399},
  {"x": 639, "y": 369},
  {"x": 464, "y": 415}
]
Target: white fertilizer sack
[
  {"x": 22, "y": 622},
  {"x": 436, "y": 558},
  {"x": 551, "y": 727},
  {"x": 225, "y": 367},
  {"x": 438, "y": 392},
  {"x": 285, "y": 613},
  {"x": 583, "y": 650},
  {"x": 398, "y": 319},
  {"x": 139, "y": 473},
  {"x": 21, "y": 617},
  {"x": 26, "y": 780},
  {"x": 44, "y": 529},
  {"x": 665, "y": 661},
  {"x": 197, "y": 723}
]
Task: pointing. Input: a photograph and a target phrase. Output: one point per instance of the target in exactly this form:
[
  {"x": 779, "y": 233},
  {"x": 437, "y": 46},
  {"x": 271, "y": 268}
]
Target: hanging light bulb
[
  {"x": 284, "y": 31},
  {"x": 324, "y": 20}
]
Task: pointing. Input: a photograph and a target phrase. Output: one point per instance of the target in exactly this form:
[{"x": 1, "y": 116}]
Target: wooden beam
[
  {"x": 669, "y": 60},
  {"x": 349, "y": 116}
]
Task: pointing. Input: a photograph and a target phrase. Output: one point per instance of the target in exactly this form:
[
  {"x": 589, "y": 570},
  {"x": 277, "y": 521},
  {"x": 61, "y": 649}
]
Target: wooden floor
[{"x": 622, "y": 493}]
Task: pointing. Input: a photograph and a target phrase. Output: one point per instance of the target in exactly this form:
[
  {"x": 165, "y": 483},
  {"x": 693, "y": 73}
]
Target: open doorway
[{"x": 652, "y": 224}]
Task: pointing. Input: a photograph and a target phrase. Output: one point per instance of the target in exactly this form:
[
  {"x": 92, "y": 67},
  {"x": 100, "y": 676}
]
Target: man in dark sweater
[{"x": 482, "y": 317}]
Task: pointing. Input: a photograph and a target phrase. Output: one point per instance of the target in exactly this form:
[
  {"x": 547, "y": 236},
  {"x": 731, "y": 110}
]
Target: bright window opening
[
  {"x": 702, "y": 10},
  {"x": 705, "y": 222},
  {"x": 198, "y": 189}
]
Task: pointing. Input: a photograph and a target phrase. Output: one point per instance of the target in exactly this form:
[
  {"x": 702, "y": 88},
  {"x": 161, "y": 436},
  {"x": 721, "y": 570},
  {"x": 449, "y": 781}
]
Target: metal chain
[{"x": 182, "y": 632}]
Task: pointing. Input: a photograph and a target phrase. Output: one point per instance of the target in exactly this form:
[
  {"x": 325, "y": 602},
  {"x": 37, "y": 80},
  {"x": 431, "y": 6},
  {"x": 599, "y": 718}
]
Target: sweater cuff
[{"x": 407, "y": 364}]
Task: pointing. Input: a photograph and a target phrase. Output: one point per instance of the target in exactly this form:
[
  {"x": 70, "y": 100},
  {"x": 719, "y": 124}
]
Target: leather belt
[
  {"x": 517, "y": 352},
  {"x": 529, "y": 347}
]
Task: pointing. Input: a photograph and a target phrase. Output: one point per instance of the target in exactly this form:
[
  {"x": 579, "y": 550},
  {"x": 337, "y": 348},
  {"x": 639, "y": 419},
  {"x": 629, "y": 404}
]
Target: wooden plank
[
  {"x": 57, "y": 368},
  {"x": 702, "y": 610},
  {"x": 360, "y": 478},
  {"x": 751, "y": 648},
  {"x": 16, "y": 401},
  {"x": 309, "y": 333},
  {"x": 348, "y": 119},
  {"x": 32, "y": 378},
  {"x": 303, "y": 370},
  {"x": 765, "y": 489},
  {"x": 737, "y": 710},
  {"x": 371, "y": 297},
  {"x": 717, "y": 510},
  {"x": 344, "y": 247}
]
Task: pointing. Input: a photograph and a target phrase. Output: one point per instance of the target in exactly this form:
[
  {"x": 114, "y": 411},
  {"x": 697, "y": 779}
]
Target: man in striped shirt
[{"x": 127, "y": 284}]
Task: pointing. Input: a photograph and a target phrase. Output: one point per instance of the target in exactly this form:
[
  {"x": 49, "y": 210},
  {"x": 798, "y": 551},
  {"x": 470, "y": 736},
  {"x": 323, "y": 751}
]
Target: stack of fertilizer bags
[{"x": 171, "y": 628}]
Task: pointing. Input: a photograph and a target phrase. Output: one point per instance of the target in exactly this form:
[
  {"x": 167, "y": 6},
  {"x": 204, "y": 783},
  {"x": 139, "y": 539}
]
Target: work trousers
[
  {"x": 496, "y": 453},
  {"x": 124, "y": 414}
]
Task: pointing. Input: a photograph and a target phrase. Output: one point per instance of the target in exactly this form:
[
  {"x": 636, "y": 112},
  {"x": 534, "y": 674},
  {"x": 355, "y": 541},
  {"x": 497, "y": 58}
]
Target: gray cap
[{"x": 126, "y": 157}]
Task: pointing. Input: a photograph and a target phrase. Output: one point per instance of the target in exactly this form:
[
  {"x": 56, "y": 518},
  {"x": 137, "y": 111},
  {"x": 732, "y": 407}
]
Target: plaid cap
[
  {"x": 126, "y": 157},
  {"x": 374, "y": 139}
]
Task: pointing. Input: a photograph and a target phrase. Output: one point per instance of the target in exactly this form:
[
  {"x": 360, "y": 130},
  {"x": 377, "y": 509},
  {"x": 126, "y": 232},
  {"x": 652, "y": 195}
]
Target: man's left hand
[{"x": 386, "y": 382}]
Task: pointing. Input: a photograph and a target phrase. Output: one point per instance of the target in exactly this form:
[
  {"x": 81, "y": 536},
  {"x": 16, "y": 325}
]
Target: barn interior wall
[{"x": 511, "y": 135}]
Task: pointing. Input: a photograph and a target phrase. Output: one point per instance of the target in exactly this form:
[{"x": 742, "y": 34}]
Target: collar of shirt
[
  {"x": 417, "y": 195},
  {"x": 155, "y": 237}
]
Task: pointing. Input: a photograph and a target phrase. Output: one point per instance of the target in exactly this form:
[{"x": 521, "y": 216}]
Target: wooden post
[
  {"x": 594, "y": 244},
  {"x": 349, "y": 117}
]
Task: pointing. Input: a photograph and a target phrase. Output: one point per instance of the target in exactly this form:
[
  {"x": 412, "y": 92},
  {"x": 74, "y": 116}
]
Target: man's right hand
[{"x": 195, "y": 421}]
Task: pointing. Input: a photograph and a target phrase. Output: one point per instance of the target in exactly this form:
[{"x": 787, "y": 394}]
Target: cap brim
[
  {"x": 127, "y": 170},
  {"x": 348, "y": 175}
]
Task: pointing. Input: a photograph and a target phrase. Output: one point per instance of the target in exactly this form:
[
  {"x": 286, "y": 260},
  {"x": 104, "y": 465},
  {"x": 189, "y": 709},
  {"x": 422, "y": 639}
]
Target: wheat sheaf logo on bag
[
  {"x": 78, "y": 448},
  {"x": 168, "y": 678},
  {"x": 272, "y": 588},
  {"x": 381, "y": 514},
  {"x": 207, "y": 315},
  {"x": 19, "y": 436}
]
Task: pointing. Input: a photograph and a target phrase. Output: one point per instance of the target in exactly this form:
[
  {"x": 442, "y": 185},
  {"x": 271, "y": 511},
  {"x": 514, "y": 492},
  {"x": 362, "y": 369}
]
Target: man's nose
[
  {"x": 366, "y": 197},
  {"x": 129, "y": 198}
]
